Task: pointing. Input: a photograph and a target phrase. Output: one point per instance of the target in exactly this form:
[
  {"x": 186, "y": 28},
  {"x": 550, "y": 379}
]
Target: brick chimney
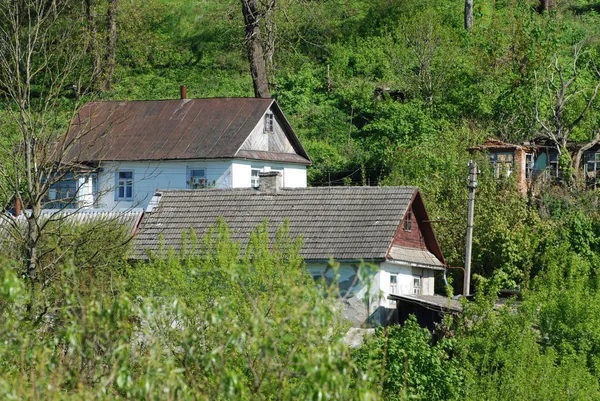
[
  {"x": 183, "y": 91},
  {"x": 269, "y": 181}
]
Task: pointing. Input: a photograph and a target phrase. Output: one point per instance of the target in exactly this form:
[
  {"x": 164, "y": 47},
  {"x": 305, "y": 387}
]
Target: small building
[
  {"x": 387, "y": 227},
  {"x": 529, "y": 163},
  {"x": 508, "y": 160},
  {"x": 126, "y": 150},
  {"x": 429, "y": 310}
]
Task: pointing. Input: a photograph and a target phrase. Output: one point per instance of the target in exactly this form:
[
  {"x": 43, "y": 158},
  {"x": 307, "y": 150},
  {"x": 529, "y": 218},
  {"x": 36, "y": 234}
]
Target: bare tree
[
  {"x": 43, "y": 75},
  {"x": 568, "y": 104},
  {"x": 254, "y": 14}
]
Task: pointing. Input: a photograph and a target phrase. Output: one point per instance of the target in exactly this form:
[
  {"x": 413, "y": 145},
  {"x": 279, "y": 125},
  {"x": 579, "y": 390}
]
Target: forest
[{"x": 380, "y": 92}]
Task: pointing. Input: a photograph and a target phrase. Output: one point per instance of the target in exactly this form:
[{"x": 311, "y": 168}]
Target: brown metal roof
[{"x": 170, "y": 129}]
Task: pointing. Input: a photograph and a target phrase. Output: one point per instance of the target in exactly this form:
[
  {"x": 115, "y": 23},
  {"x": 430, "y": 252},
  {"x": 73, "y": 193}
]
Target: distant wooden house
[
  {"x": 384, "y": 226},
  {"x": 537, "y": 162},
  {"x": 126, "y": 150}
]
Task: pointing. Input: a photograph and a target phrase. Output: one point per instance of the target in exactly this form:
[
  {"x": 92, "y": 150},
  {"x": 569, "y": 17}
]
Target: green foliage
[
  {"x": 257, "y": 328},
  {"x": 408, "y": 365}
]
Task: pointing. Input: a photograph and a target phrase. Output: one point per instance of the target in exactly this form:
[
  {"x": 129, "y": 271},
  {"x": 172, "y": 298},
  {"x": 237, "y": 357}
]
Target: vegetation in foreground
[{"x": 252, "y": 325}]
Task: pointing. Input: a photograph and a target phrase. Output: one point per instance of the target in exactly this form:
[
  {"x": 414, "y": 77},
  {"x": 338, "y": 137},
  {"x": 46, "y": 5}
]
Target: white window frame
[
  {"x": 190, "y": 180},
  {"x": 529, "y": 166},
  {"x": 269, "y": 122},
  {"x": 255, "y": 179},
  {"x": 591, "y": 167},
  {"x": 503, "y": 163},
  {"x": 417, "y": 287},
  {"x": 123, "y": 183},
  {"x": 394, "y": 285}
]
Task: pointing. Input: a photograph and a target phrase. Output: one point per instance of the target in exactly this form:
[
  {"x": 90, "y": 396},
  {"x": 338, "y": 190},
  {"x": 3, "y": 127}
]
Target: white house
[
  {"x": 386, "y": 227},
  {"x": 129, "y": 149}
]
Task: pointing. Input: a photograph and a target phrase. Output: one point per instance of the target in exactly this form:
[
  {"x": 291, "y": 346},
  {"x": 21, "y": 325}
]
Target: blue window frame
[{"x": 124, "y": 185}]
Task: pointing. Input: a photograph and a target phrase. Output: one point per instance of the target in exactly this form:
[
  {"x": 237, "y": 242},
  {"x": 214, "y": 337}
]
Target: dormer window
[
  {"x": 269, "y": 122},
  {"x": 408, "y": 220}
]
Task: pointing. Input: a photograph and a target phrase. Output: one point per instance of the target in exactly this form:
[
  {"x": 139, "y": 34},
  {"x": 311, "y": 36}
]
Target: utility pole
[{"x": 470, "y": 212}]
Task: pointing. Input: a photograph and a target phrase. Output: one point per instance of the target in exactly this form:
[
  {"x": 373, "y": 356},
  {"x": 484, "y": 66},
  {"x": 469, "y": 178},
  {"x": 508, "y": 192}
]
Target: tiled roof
[
  {"x": 343, "y": 222},
  {"x": 171, "y": 130}
]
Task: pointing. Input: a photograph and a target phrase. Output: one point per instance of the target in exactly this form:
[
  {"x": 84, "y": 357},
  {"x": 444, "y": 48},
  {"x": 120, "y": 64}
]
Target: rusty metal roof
[{"x": 173, "y": 129}]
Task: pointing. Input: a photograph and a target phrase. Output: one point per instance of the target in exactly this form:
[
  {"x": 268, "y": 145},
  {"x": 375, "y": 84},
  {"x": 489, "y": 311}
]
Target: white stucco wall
[
  {"x": 85, "y": 191},
  {"x": 354, "y": 292},
  {"x": 295, "y": 177},
  {"x": 405, "y": 275},
  {"x": 148, "y": 176}
]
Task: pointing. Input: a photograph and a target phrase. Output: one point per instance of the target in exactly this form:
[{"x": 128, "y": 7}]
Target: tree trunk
[
  {"x": 544, "y": 5},
  {"x": 93, "y": 50},
  {"x": 468, "y": 14},
  {"x": 254, "y": 49},
  {"x": 111, "y": 44}
]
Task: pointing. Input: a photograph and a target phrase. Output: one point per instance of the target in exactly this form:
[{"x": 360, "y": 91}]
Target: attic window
[
  {"x": 269, "y": 122},
  {"x": 408, "y": 220}
]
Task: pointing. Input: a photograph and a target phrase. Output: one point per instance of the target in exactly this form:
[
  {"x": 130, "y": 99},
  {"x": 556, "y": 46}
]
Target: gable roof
[
  {"x": 342, "y": 222},
  {"x": 174, "y": 129}
]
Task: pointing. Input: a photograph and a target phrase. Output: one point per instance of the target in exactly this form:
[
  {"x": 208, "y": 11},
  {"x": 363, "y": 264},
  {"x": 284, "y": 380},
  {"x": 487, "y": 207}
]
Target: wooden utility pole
[{"x": 470, "y": 213}]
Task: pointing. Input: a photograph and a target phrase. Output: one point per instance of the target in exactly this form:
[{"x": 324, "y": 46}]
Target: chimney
[
  {"x": 269, "y": 181},
  {"x": 18, "y": 206},
  {"x": 183, "y": 92}
]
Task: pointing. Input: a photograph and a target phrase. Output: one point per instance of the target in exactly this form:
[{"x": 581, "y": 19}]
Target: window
[
  {"x": 502, "y": 162},
  {"x": 394, "y": 284},
  {"x": 408, "y": 220},
  {"x": 124, "y": 189},
  {"x": 196, "y": 178},
  {"x": 62, "y": 193},
  {"x": 269, "y": 122},
  {"x": 417, "y": 285},
  {"x": 529, "y": 166},
  {"x": 553, "y": 164},
  {"x": 591, "y": 167},
  {"x": 254, "y": 178}
]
